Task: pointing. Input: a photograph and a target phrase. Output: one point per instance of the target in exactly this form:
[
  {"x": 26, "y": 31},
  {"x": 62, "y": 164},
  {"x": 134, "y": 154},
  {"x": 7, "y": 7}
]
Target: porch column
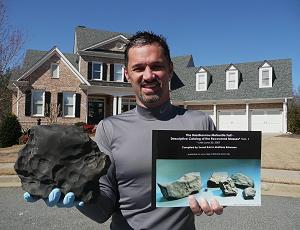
[
  {"x": 215, "y": 115},
  {"x": 285, "y": 116},
  {"x": 87, "y": 107},
  {"x": 115, "y": 105},
  {"x": 119, "y": 105},
  {"x": 248, "y": 116}
]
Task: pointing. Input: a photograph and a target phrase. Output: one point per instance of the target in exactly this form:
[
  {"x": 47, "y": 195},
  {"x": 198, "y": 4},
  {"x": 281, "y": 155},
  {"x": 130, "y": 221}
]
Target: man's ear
[{"x": 126, "y": 74}]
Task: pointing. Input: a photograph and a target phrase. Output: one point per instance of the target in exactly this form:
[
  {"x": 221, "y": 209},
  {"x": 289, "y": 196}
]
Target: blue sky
[{"x": 213, "y": 31}]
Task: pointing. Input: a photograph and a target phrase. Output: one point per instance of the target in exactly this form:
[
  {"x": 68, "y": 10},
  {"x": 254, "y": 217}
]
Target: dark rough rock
[
  {"x": 189, "y": 183},
  {"x": 61, "y": 157},
  {"x": 242, "y": 181},
  {"x": 228, "y": 187},
  {"x": 215, "y": 178},
  {"x": 249, "y": 193}
]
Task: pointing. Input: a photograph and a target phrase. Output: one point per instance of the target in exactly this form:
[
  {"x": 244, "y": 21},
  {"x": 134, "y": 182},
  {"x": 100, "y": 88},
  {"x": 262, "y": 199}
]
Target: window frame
[
  {"x": 101, "y": 71},
  {"x": 128, "y": 102},
  {"x": 122, "y": 67},
  {"x": 236, "y": 79},
  {"x": 32, "y": 103},
  {"x": 74, "y": 104},
  {"x": 261, "y": 70},
  {"x": 198, "y": 81},
  {"x": 52, "y": 75}
]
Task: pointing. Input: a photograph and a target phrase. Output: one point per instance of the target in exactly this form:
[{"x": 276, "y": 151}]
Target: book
[{"x": 210, "y": 164}]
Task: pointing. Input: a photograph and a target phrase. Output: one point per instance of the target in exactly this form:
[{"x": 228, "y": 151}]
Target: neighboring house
[{"x": 89, "y": 85}]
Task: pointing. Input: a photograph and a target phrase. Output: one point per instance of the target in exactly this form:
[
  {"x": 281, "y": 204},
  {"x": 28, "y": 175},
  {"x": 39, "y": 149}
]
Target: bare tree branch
[{"x": 11, "y": 42}]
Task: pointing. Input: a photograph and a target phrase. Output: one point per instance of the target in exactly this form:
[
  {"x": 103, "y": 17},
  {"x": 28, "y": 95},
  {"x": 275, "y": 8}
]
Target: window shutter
[
  {"x": 104, "y": 74},
  {"x": 47, "y": 103},
  {"x": 111, "y": 74},
  {"x": 77, "y": 105},
  {"x": 90, "y": 69},
  {"x": 28, "y": 103},
  {"x": 59, "y": 104}
]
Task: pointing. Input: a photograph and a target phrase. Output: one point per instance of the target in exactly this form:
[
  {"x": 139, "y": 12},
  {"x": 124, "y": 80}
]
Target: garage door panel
[
  {"x": 267, "y": 121},
  {"x": 232, "y": 120}
]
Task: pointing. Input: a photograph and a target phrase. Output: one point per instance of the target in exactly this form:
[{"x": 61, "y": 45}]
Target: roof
[
  {"x": 184, "y": 61},
  {"x": 86, "y": 37},
  {"x": 248, "y": 87},
  {"x": 33, "y": 56}
]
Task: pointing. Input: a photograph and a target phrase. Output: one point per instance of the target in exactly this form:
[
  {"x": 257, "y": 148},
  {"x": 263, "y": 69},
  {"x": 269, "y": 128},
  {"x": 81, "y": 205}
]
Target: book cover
[{"x": 220, "y": 164}]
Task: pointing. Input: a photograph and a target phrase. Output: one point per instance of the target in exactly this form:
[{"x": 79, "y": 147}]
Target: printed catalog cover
[{"x": 220, "y": 164}]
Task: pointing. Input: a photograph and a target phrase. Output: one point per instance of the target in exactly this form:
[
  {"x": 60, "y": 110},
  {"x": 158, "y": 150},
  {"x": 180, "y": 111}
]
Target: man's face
[{"x": 149, "y": 73}]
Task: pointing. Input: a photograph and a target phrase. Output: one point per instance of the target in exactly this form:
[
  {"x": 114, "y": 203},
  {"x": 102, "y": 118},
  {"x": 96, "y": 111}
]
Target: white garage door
[
  {"x": 232, "y": 120},
  {"x": 267, "y": 121}
]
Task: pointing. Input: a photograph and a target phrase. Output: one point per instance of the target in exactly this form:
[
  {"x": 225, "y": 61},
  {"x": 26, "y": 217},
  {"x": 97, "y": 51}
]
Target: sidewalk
[{"x": 280, "y": 182}]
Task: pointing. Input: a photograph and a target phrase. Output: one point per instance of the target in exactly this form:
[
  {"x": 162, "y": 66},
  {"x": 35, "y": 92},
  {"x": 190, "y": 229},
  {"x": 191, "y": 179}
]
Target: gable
[
  {"x": 57, "y": 55},
  {"x": 117, "y": 43},
  {"x": 86, "y": 38}
]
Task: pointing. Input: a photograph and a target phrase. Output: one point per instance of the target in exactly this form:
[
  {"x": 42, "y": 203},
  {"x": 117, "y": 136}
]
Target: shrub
[
  {"x": 10, "y": 131},
  {"x": 80, "y": 123}
]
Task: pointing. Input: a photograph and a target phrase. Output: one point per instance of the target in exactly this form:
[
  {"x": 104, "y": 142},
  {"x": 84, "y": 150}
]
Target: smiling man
[{"x": 126, "y": 138}]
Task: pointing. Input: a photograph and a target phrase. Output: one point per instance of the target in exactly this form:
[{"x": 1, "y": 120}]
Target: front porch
[{"x": 105, "y": 101}]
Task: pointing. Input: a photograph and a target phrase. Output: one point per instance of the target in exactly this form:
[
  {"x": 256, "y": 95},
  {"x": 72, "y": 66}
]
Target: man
[{"x": 126, "y": 138}]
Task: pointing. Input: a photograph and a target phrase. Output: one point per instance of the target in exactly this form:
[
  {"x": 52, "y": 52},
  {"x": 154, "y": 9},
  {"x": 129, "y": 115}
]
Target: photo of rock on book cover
[{"x": 211, "y": 164}]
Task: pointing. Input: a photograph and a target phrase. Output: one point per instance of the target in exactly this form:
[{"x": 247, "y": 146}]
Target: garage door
[
  {"x": 232, "y": 120},
  {"x": 267, "y": 121}
]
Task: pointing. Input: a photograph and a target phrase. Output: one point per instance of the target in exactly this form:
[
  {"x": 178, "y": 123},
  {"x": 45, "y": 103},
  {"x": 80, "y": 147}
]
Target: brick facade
[{"x": 41, "y": 79}]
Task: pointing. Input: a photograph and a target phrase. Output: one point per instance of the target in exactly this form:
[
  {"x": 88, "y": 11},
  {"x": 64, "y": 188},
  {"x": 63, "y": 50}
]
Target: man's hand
[
  {"x": 198, "y": 207},
  {"x": 54, "y": 199}
]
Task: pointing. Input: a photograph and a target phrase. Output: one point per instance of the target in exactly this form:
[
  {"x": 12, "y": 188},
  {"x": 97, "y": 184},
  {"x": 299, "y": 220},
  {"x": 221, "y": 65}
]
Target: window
[
  {"x": 69, "y": 104},
  {"x": 231, "y": 79},
  {"x": 128, "y": 104},
  {"x": 118, "y": 72},
  {"x": 265, "y": 75},
  {"x": 38, "y": 99},
  {"x": 201, "y": 82},
  {"x": 54, "y": 70},
  {"x": 265, "y": 78},
  {"x": 97, "y": 71}
]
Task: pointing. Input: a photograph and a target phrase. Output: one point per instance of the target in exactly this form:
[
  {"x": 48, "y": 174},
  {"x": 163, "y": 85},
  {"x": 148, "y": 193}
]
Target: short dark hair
[{"x": 142, "y": 38}]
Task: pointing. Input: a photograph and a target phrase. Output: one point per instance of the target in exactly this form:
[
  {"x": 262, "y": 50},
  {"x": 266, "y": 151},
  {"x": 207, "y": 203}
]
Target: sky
[{"x": 215, "y": 32}]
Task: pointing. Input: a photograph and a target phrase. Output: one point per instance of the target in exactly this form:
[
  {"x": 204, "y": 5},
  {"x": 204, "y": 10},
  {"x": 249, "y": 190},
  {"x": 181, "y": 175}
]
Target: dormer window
[
  {"x": 97, "y": 71},
  {"x": 232, "y": 78},
  {"x": 202, "y": 79},
  {"x": 54, "y": 70},
  {"x": 265, "y": 75}
]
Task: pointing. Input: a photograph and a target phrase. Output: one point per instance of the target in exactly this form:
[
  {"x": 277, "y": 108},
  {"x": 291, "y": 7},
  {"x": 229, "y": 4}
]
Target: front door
[{"x": 95, "y": 110}]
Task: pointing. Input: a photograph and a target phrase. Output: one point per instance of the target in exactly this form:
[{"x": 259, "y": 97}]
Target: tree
[
  {"x": 11, "y": 43},
  {"x": 294, "y": 113},
  {"x": 52, "y": 113}
]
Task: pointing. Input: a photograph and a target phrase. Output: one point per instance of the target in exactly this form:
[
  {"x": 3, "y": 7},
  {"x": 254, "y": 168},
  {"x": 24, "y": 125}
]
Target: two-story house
[{"x": 89, "y": 84}]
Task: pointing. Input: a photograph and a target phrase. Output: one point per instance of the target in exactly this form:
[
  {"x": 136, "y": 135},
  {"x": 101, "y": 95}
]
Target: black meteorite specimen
[{"x": 61, "y": 157}]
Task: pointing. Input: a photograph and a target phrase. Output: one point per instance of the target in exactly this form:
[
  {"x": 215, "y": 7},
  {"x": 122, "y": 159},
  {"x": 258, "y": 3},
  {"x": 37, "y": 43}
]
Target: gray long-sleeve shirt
[{"x": 126, "y": 189}]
